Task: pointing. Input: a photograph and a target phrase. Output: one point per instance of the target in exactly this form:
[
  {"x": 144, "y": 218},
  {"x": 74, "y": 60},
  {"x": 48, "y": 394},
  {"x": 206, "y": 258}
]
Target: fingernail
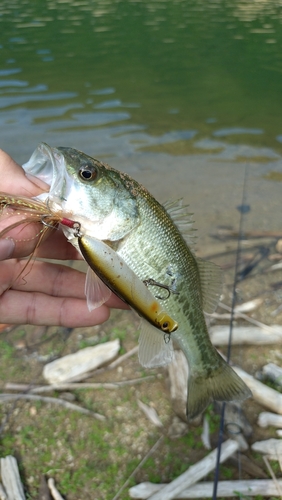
[{"x": 6, "y": 248}]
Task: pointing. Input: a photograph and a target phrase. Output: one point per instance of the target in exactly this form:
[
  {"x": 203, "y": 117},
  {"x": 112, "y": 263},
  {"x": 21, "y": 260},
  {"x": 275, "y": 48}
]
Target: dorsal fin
[
  {"x": 153, "y": 350},
  {"x": 182, "y": 218},
  {"x": 211, "y": 278}
]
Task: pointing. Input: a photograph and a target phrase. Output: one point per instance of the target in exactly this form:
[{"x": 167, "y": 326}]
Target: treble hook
[{"x": 152, "y": 282}]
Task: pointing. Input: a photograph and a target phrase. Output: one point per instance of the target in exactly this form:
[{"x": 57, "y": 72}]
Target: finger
[
  {"x": 25, "y": 238},
  {"x": 14, "y": 179},
  {"x": 39, "y": 309},
  {"x": 51, "y": 279}
]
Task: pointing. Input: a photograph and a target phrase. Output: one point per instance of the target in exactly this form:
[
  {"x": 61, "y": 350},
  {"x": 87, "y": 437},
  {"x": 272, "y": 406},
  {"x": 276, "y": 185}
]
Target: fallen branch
[
  {"x": 271, "y": 447},
  {"x": 261, "y": 393},
  {"x": 271, "y": 329},
  {"x": 74, "y": 385},
  {"x": 248, "y": 487},
  {"x": 70, "y": 406},
  {"x": 196, "y": 472},
  {"x": 252, "y": 335}
]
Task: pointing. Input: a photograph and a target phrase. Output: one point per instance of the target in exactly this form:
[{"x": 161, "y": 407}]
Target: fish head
[{"x": 87, "y": 191}]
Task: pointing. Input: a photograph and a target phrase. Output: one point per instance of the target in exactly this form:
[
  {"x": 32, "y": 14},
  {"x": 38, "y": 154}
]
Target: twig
[
  {"x": 122, "y": 358},
  {"x": 75, "y": 385},
  {"x": 116, "y": 362},
  {"x": 10, "y": 397},
  {"x": 247, "y": 318},
  {"x": 55, "y": 494},
  {"x": 270, "y": 470},
  {"x": 150, "y": 452}
]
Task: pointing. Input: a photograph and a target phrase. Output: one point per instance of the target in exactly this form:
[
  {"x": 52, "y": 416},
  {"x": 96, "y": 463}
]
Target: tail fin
[{"x": 222, "y": 385}]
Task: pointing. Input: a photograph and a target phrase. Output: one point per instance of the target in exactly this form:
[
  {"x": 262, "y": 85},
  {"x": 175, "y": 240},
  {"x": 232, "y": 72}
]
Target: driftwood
[
  {"x": 271, "y": 447},
  {"x": 3, "y": 495},
  {"x": 196, "y": 472},
  {"x": 247, "y": 465},
  {"x": 261, "y": 393},
  {"x": 273, "y": 372},
  {"x": 178, "y": 375},
  {"x": 11, "y": 478},
  {"x": 74, "y": 367},
  {"x": 253, "y": 335},
  {"x": 249, "y": 487},
  {"x": 266, "y": 419}
]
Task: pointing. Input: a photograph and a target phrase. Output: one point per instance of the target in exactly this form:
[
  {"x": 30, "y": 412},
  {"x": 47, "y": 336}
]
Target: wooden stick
[
  {"x": 74, "y": 385},
  {"x": 11, "y": 478},
  {"x": 251, "y": 320},
  {"x": 55, "y": 494},
  {"x": 150, "y": 452},
  {"x": 261, "y": 393},
  {"x": 195, "y": 472},
  {"x": 10, "y": 397},
  {"x": 250, "y": 234},
  {"x": 271, "y": 472},
  {"x": 249, "y": 487}
]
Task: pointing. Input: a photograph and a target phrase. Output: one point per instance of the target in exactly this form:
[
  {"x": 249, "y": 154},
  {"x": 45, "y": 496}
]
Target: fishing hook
[
  {"x": 168, "y": 288},
  {"x": 47, "y": 224}
]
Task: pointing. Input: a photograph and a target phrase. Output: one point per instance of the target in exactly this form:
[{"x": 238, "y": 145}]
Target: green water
[{"x": 142, "y": 83}]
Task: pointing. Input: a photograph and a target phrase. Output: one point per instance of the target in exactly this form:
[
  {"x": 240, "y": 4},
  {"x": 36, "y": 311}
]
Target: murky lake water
[{"x": 181, "y": 94}]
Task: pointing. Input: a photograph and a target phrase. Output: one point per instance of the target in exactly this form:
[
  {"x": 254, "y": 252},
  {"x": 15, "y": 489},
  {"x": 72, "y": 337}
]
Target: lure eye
[
  {"x": 88, "y": 173},
  {"x": 165, "y": 326}
]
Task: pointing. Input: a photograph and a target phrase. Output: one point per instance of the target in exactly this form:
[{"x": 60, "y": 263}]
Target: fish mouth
[{"x": 48, "y": 164}]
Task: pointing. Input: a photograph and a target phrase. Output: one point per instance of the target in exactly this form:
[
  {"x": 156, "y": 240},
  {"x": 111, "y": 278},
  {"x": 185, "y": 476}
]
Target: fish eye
[{"x": 88, "y": 172}]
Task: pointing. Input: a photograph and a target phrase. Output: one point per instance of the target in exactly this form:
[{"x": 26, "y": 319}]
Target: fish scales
[{"x": 113, "y": 207}]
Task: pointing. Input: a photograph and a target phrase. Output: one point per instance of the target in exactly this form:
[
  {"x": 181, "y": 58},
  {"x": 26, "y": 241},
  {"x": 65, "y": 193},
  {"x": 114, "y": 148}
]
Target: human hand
[{"x": 45, "y": 293}]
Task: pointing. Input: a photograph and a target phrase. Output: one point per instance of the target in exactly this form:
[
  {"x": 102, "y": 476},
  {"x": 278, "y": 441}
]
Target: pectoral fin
[
  {"x": 97, "y": 293},
  {"x": 153, "y": 349}
]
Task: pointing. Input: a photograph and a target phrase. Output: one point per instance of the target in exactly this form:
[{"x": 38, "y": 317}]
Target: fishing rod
[{"x": 243, "y": 209}]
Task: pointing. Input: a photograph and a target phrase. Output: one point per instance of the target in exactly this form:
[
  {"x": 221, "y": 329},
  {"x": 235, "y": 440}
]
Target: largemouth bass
[{"x": 112, "y": 207}]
